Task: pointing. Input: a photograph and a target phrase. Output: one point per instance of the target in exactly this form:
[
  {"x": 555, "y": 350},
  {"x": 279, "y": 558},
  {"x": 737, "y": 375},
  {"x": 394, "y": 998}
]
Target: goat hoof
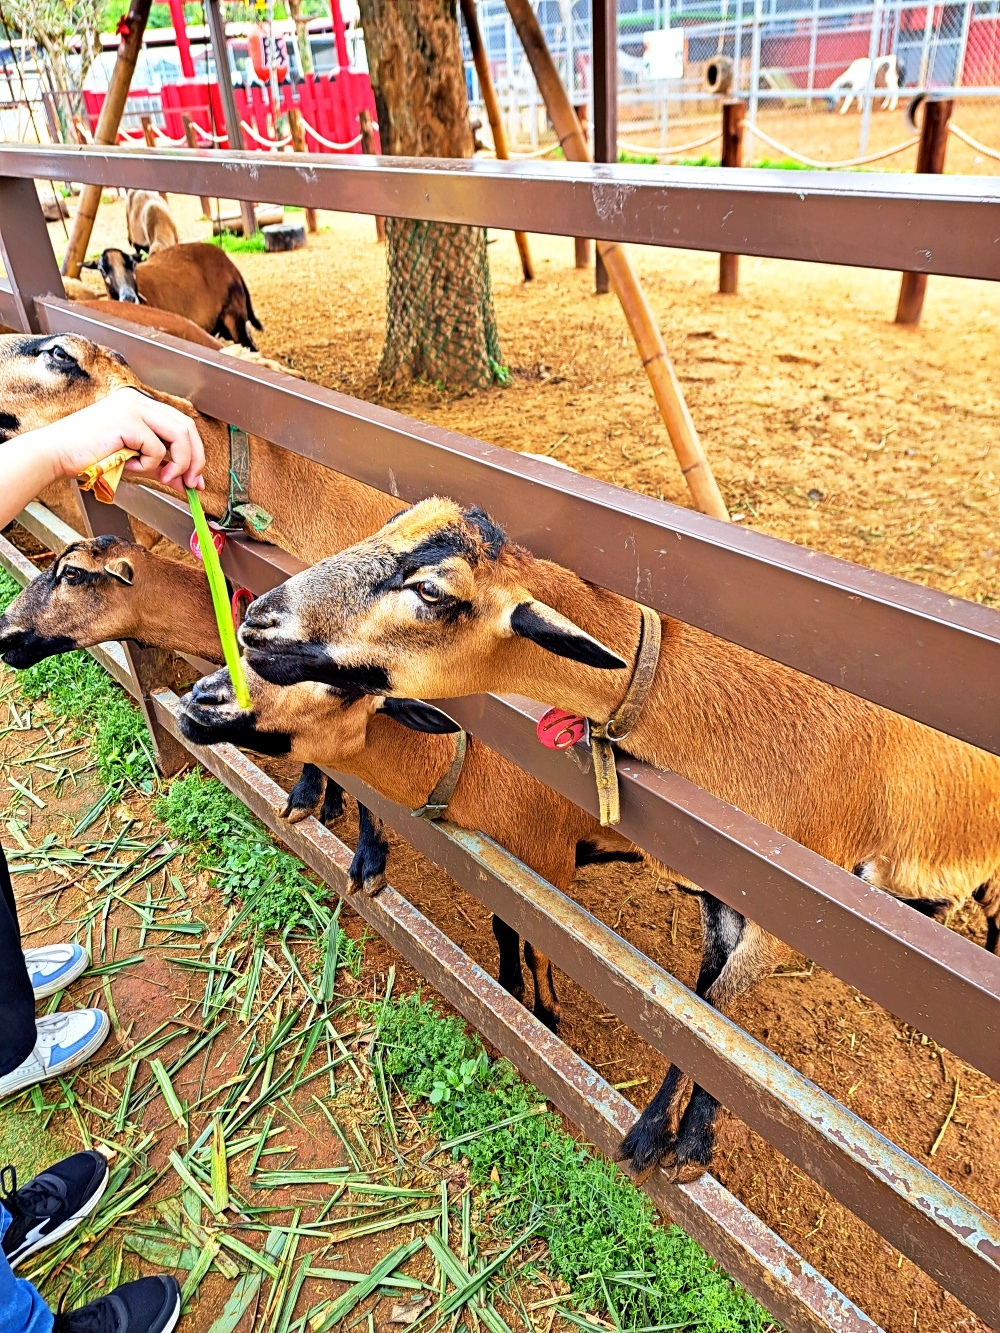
[
  {"x": 644, "y": 1147},
  {"x": 296, "y": 813},
  {"x": 684, "y": 1173},
  {"x": 373, "y": 885}
]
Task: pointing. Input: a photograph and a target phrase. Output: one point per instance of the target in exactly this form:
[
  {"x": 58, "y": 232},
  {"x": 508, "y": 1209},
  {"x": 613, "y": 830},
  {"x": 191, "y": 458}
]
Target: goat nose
[{"x": 206, "y": 693}]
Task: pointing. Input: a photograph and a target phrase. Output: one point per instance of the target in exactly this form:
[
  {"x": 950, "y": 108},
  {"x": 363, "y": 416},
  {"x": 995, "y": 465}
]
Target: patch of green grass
[
  {"x": 243, "y": 860},
  {"x": 29, "y": 1145},
  {"x": 602, "y": 1233},
  {"x": 235, "y": 244}
]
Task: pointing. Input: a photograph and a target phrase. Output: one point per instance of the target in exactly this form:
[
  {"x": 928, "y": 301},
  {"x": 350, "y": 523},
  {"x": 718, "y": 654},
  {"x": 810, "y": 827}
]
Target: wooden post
[
  {"x": 107, "y": 133},
  {"x": 581, "y": 244},
  {"x": 234, "y": 131},
  {"x": 649, "y": 341},
  {"x": 930, "y": 158},
  {"x": 604, "y": 63},
  {"x": 297, "y": 131},
  {"x": 368, "y": 146},
  {"x": 147, "y": 665},
  {"x": 192, "y": 142},
  {"x": 493, "y": 114},
  {"x": 733, "y": 112},
  {"x": 148, "y": 133}
]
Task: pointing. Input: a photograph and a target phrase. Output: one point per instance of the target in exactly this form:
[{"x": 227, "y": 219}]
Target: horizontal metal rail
[
  {"x": 769, "y": 1268},
  {"x": 946, "y": 224},
  {"x": 926, "y": 974},
  {"x": 912, "y": 649}
]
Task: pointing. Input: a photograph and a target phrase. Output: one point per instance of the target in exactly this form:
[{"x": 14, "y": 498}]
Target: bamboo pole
[
  {"x": 368, "y": 146},
  {"x": 107, "y": 132},
  {"x": 298, "y": 133},
  {"x": 192, "y": 142},
  {"x": 493, "y": 114},
  {"x": 666, "y": 388}
]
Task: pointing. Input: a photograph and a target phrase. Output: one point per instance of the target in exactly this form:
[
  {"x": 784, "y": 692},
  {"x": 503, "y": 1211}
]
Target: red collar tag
[
  {"x": 218, "y": 541},
  {"x": 558, "y": 730},
  {"x": 242, "y": 598}
]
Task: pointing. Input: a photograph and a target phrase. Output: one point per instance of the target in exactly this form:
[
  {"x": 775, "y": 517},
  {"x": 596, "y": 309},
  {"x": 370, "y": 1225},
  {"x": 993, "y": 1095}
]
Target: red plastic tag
[
  {"x": 558, "y": 730},
  {"x": 218, "y": 541},
  {"x": 242, "y": 598}
]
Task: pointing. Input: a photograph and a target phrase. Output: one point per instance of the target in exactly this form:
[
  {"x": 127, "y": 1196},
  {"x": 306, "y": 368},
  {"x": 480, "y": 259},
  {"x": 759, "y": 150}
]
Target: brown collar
[
  {"x": 440, "y": 798},
  {"x": 625, "y": 716}
]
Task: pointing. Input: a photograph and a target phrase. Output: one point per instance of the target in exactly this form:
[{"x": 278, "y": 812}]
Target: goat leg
[
  {"x": 333, "y": 802},
  {"x": 367, "y": 870},
  {"x": 305, "y": 797},
  {"x": 509, "y": 973},
  {"x": 547, "y": 1009}
]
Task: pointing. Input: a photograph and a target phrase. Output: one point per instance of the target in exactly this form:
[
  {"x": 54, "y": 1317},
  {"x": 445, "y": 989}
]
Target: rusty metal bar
[
  {"x": 26, "y": 251},
  {"x": 872, "y": 220},
  {"x": 9, "y": 312},
  {"x": 909, "y": 648}
]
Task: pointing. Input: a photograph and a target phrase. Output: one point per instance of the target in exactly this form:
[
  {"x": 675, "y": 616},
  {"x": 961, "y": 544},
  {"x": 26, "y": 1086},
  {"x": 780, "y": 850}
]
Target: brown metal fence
[{"x": 909, "y": 648}]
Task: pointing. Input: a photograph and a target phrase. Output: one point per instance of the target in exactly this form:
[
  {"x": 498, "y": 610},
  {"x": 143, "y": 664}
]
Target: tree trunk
[{"x": 440, "y": 323}]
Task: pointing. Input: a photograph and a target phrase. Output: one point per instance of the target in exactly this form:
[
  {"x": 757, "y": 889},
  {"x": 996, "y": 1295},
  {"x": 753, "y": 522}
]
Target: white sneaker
[
  {"x": 64, "y": 1041},
  {"x": 53, "y": 966}
]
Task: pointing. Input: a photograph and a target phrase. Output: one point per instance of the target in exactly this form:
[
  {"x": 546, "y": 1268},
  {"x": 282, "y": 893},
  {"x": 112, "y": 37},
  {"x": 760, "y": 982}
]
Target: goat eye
[
  {"x": 60, "y": 355},
  {"x": 429, "y": 592},
  {"x": 72, "y": 574}
]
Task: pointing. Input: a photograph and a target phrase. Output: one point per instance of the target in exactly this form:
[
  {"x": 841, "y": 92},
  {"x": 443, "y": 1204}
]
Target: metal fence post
[
  {"x": 874, "y": 42},
  {"x": 758, "y": 19},
  {"x": 27, "y": 252},
  {"x": 234, "y": 131},
  {"x": 604, "y": 66}
]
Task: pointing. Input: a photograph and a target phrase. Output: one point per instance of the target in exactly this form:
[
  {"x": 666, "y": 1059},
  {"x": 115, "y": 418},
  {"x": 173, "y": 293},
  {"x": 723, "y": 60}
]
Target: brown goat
[
  {"x": 149, "y": 222},
  {"x": 439, "y": 604},
  {"x": 196, "y": 280},
  {"x": 385, "y": 742},
  {"x": 105, "y": 588}
]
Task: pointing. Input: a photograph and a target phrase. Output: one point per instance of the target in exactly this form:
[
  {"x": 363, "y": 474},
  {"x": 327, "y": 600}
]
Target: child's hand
[{"x": 170, "y": 448}]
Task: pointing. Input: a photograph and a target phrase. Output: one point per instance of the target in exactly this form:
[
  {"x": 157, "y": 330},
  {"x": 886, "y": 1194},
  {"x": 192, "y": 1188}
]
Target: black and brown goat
[
  {"x": 196, "y": 280},
  {"x": 439, "y": 604}
]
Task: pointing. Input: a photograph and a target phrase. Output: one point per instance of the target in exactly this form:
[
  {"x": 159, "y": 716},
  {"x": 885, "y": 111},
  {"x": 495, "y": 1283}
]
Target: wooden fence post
[
  {"x": 648, "y": 340},
  {"x": 733, "y": 112},
  {"x": 581, "y": 242},
  {"x": 368, "y": 146},
  {"x": 930, "y": 158},
  {"x": 493, "y": 114},
  {"x": 192, "y": 142},
  {"x": 148, "y": 133},
  {"x": 297, "y": 131}
]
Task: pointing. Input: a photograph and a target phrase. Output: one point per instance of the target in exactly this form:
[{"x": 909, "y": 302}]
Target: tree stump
[{"x": 284, "y": 236}]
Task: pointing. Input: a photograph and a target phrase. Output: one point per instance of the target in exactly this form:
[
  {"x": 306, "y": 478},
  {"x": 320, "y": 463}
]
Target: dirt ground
[{"x": 826, "y": 425}]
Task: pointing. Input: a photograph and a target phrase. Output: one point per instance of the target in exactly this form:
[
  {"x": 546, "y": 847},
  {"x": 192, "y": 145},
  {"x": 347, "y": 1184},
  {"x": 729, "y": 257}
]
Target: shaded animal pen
[{"x": 917, "y": 651}]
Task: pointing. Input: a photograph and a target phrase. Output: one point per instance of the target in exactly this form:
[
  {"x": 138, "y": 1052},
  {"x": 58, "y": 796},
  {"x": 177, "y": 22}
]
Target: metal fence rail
[{"x": 932, "y": 657}]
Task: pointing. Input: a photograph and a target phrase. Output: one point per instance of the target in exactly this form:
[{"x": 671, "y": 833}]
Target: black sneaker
[
  {"x": 52, "y": 1204},
  {"x": 151, "y": 1305}
]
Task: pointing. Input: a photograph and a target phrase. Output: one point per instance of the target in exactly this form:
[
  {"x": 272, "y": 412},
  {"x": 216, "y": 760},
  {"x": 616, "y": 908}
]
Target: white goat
[{"x": 884, "y": 72}]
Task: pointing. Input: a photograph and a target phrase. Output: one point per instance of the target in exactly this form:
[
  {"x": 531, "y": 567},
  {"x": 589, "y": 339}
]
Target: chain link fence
[{"x": 818, "y": 77}]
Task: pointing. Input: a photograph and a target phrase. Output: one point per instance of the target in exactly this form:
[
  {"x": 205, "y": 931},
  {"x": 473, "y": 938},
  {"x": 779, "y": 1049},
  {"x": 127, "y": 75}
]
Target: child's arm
[{"x": 170, "y": 447}]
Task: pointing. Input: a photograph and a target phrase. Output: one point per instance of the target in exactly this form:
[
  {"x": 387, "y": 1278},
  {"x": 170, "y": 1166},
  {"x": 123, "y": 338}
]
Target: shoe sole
[
  {"x": 60, "y": 983},
  {"x": 66, "y": 1227},
  {"x": 82, "y": 1056}
]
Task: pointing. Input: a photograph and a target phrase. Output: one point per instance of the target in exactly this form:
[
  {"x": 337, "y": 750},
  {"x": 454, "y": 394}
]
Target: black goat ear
[
  {"x": 556, "y": 634},
  {"x": 418, "y": 716},
  {"x": 90, "y": 263}
]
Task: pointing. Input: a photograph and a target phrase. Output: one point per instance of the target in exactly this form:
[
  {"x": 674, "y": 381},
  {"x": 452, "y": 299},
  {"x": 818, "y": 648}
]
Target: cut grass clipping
[{"x": 601, "y": 1231}]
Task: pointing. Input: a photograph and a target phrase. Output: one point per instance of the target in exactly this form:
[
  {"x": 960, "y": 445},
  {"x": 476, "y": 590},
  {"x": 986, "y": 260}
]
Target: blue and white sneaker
[
  {"x": 53, "y": 966},
  {"x": 64, "y": 1041}
]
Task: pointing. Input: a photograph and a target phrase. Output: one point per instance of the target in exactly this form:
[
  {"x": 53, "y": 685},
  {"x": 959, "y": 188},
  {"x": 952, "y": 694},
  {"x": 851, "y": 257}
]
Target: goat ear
[
  {"x": 556, "y": 634},
  {"x": 121, "y": 569},
  {"x": 418, "y": 716},
  {"x": 90, "y": 263}
]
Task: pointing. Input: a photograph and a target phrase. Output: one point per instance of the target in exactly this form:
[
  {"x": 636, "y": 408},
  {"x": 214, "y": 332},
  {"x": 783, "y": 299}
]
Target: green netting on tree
[{"x": 440, "y": 324}]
